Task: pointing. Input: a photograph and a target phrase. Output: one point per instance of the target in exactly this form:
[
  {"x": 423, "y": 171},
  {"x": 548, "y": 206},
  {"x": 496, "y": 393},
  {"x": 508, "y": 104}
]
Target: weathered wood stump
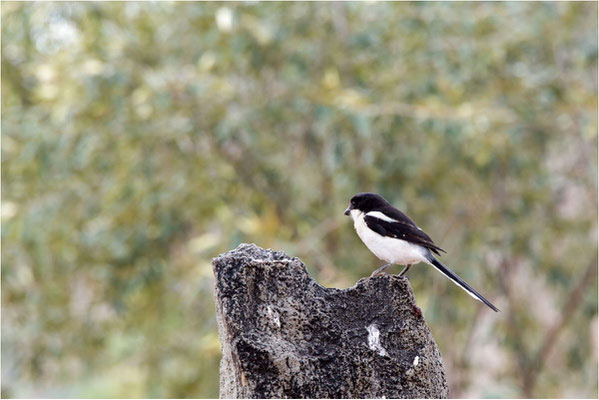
[{"x": 285, "y": 336}]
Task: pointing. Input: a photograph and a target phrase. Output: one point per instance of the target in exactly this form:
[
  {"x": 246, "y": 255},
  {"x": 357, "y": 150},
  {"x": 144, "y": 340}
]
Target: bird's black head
[{"x": 366, "y": 202}]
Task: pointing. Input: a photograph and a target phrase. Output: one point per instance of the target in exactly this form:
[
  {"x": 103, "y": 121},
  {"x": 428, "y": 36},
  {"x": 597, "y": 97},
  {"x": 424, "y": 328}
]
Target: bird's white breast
[{"x": 388, "y": 249}]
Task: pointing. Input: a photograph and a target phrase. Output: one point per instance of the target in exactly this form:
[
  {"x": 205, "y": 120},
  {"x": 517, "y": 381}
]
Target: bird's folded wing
[{"x": 404, "y": 229}]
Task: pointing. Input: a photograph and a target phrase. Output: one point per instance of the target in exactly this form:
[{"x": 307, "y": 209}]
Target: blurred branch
[
  {"x": 574, "y": 299},
  {"x": 463, "y": 358},
  {"x": 511, "y": 312},
  {"x": 506, "y": 269},
  {"x": 461, "y": 113},
  {"x": 339, "y": 16}
]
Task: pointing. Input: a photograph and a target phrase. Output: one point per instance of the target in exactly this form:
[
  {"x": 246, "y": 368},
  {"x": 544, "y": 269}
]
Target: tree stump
[{"x": 285, "y": 336}]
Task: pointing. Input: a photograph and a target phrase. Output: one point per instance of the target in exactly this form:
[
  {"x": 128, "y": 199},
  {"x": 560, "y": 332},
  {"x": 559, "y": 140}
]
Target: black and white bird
[{"x": 393, "y": 237}]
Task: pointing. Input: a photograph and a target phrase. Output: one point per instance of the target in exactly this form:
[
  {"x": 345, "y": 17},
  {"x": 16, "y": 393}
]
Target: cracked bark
[{"x": 285, "y": 336}]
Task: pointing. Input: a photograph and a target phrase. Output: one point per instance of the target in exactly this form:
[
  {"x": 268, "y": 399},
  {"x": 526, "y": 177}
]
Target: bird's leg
[
  {"x": 380, "y": 270},
  {"x": 406, "y": 268}
]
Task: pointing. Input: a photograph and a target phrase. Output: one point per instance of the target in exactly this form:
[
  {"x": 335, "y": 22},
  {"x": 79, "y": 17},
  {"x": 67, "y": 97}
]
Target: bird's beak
[{"x": 346, "y": 211}]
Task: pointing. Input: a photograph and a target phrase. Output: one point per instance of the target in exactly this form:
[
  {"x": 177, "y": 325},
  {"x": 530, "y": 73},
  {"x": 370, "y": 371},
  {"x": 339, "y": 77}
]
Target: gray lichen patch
[{"x": 285, "y": 336}]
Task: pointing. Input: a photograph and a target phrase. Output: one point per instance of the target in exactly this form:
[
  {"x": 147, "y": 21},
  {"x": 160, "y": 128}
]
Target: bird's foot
[
  {"x": 403, "y": 271},
  {"x": 377, "y": 273},
  {"x": 381, "y": 270}
]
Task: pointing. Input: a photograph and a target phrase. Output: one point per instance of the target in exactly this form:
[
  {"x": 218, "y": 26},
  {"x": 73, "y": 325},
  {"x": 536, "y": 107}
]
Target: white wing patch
[{"x": 381, "y": 216}]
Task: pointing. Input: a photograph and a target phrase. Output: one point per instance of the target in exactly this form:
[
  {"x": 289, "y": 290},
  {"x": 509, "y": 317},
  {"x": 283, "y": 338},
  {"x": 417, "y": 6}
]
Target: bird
[{"x": 393, "y": 237}]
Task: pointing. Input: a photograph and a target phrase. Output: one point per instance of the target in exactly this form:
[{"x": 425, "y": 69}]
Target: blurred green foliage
[{"x": 142, "y": 139}]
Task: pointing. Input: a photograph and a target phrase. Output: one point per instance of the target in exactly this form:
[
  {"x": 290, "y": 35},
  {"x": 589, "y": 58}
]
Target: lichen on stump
[{"x": 285, "y": 336}]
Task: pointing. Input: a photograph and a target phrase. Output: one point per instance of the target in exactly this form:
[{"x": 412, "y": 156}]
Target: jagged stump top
[{"x": 285, "y": 336}]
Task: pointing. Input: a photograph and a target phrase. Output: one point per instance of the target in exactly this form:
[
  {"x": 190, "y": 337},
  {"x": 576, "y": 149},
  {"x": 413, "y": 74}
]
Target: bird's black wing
[{"x": 402, "y": 227}]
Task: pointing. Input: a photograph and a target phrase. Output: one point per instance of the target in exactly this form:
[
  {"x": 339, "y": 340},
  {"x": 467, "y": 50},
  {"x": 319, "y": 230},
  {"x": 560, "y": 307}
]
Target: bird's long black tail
[{"x": 459, "y": 281}]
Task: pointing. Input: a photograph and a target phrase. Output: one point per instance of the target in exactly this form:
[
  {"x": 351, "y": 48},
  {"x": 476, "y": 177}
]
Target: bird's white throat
[{"x": 355, "y": 215}]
